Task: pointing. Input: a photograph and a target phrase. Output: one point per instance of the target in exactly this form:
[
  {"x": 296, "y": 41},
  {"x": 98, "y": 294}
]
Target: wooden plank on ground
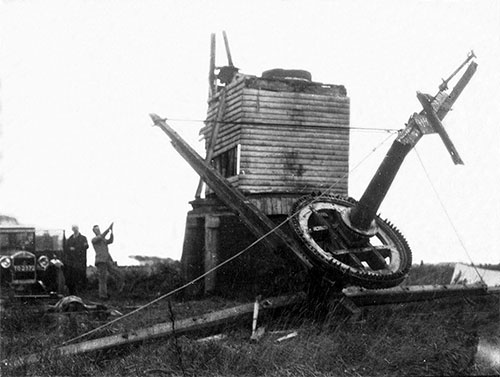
[
  {"x": 360, "y": 297},
  {"x": 182, "y": 326},
  {"x": 412, "y": 293}
]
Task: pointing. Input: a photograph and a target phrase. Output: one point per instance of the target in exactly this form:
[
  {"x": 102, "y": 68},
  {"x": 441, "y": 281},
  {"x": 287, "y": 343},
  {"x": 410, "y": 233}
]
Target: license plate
[{"x": 24, "y": 268}]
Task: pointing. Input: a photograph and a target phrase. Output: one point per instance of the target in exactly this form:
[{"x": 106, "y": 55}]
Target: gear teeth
[{"x": 338, "y": 270}]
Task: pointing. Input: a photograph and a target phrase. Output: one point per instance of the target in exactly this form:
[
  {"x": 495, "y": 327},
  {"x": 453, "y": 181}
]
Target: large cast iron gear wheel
[{"x": 380, "y": 261}]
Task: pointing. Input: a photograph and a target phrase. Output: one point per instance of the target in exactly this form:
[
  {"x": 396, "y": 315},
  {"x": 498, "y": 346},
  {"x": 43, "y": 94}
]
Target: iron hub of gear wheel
[{"x": 380, "y": 261}]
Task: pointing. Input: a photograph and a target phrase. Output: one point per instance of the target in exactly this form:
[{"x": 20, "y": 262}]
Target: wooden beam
[
  {"x": 434, "y": 120},
  {"x": 228, "y": 51},
  {"x": 182, "y": 326},
  {"x": 323, "y": 98},
  {"x": 457, "y": 90},
  {"x": 213, "y": 137},
  {"x": 359, "y": 297},
  {"x": 256, "y": 221},
  {"x": 413, "y": 293},
  {"x": 211, "y": 258},
  {"x": 212, "y": 85}
]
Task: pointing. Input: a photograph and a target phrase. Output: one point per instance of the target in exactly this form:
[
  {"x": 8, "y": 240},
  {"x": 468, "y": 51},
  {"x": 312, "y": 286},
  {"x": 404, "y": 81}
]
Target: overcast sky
[{"x": 79, "y": 78}]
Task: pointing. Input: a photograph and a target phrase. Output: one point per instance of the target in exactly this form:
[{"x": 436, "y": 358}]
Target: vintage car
[{"x": 30, "y": 262}]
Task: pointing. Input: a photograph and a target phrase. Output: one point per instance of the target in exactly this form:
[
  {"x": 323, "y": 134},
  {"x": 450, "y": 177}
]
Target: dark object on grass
[{"x": 71, "y": 304}]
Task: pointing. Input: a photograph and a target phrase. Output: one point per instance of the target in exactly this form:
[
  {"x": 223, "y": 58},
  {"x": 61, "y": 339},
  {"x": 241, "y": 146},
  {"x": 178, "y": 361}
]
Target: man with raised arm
[{"x": 103, "y": 261}]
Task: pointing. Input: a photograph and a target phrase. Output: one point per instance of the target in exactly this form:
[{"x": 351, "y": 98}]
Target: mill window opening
[{"x": 228, "y": 162}]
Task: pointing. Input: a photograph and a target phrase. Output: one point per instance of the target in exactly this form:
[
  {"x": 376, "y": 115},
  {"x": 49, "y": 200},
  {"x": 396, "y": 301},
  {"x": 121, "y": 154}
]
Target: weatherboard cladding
[{"x": 293, "y": 135}]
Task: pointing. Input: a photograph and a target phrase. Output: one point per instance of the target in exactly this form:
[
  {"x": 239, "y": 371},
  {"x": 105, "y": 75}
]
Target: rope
[
  {"x": 329, "y": 189},
  {"x": 448, "y": 216},
  {"x": 340, "y": 128}
]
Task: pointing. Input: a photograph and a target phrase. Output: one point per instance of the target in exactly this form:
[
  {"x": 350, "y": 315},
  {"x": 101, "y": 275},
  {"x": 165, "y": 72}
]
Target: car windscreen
[
  {"x": 15, "y": 241},
  {"x": 49, "y": 240}
]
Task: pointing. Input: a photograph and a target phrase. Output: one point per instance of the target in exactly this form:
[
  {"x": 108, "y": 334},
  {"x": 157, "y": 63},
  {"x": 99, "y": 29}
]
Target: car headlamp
[
  {"x": 5, "y": 262},
  {"x": 43, "y": 262},
  {"x": 56, "y": 262}
]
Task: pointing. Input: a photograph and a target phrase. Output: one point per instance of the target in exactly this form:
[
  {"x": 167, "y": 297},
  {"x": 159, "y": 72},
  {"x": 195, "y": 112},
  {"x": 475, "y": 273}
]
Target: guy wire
[
  {"x": 174, "y": 291},
  {"x": 443, "y": 207}
]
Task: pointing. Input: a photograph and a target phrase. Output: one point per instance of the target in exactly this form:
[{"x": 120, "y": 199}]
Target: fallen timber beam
[
  {"x": 413, "y": 293},
  {"x": 179, "y": 327},
  {"x": 360, "y": 297}
]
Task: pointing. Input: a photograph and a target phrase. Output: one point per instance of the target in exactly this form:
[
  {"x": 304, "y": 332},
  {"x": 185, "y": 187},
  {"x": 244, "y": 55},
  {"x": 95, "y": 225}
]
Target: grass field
[{"x": 442, "y": 337}]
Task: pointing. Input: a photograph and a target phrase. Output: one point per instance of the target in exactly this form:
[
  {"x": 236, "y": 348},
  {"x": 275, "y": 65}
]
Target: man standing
[
  {"x": 103, "y": 261},
  {"x": 75, "y": 266}
]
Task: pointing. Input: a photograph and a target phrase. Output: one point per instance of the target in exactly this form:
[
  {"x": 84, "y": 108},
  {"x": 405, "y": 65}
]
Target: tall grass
[
  {"x": 427, "y": 338},
  {"x": 432, "y": 338}
]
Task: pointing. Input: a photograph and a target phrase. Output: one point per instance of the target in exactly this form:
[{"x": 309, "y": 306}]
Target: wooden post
[
  {"x": 212, "y": 224},
  {"x": 212, "y": 86},
  {"x": 61, "y": 281},
  {"x": 213, "y": 139},
  {"x": 255, "y": 316},
  {"x": 192, "y": 262},
  {"x": 228, "y": 51}
]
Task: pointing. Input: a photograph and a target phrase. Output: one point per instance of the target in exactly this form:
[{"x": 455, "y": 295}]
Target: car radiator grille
[{"x": 24, "y": 268}]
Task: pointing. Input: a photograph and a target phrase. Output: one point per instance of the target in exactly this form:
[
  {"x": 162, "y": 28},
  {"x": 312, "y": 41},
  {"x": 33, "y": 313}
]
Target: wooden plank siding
[{"x": 293, "y": 137}]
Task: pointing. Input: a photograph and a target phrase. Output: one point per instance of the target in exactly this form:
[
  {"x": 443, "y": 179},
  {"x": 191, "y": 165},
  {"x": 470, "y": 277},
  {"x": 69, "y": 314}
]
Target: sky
[{"x": 79, "y": 78}]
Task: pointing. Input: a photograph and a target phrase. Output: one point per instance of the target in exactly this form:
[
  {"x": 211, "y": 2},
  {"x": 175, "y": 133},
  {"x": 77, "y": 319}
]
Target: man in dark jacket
[{"x": 76, "y": 262}]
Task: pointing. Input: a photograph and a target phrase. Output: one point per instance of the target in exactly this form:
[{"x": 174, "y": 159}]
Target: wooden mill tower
[{"x": 275, "y": 138}]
